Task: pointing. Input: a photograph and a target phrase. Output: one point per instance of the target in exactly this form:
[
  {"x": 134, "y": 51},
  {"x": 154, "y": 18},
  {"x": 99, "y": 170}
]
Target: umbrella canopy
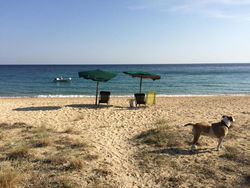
[
  {"x": 141, "y": 75},
  {"x": 97, "y": 75}
]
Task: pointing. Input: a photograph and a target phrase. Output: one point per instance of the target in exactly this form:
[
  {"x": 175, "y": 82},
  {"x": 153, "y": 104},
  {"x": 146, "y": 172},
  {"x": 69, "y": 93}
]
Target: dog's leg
[
  {"x": 219, "y": 143},
  {"x": 196, "y": 138}
]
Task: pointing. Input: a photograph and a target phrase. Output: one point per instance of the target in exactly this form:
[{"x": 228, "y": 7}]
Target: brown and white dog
[{"x": 218, "y": 130}]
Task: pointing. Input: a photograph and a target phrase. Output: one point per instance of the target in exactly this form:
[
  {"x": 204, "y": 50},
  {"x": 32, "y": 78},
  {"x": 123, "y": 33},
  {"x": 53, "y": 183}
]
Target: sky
[{"x": 124, "y": 31}]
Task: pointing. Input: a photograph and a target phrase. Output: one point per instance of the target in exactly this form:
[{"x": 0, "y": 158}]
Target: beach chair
[
  {"x": 140, "y": 98},
  {"x": 150, "y": 97},
  {"x": 104, "y": 97}
]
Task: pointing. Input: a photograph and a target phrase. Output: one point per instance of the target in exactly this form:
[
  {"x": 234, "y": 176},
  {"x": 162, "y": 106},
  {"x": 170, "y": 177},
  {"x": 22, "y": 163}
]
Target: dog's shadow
[{"x": 181, "y": 151}]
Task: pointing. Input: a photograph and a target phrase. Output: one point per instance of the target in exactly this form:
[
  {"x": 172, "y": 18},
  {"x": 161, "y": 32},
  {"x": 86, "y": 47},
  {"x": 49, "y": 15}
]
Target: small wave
[
  {"x": 62, "y": 96},
  {"x": 92, "y": 96},
  {"x": 202, "y": 95},
  {"x": 76, "y": 96}
]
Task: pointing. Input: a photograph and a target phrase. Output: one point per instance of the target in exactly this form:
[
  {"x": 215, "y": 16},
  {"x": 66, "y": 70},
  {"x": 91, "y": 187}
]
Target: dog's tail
[{"x": 189, "y": 124}]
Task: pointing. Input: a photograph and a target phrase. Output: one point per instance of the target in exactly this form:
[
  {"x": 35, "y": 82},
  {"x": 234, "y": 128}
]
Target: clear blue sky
[{"x": 124, "y": 31}]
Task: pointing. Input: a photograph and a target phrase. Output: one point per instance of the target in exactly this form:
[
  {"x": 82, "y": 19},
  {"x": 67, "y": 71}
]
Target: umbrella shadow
[
  {"x": 90, "y": 106},
  {"x": 118, "y": 107},
  {"x": 181, "y": 151},
  {"x": 38, "y": 108},
  {"x": 129, "y": 108}
]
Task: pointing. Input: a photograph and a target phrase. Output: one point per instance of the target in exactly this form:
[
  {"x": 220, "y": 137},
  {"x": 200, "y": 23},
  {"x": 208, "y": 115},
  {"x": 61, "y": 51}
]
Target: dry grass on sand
[
  {"x": 42, "y": 157},
  {"x": 77, "y": 145},
  {"x": 166, "y": 151}
]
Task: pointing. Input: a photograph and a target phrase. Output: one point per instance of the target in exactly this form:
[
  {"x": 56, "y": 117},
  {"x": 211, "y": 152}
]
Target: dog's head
[{"x": 228, "y": 118}]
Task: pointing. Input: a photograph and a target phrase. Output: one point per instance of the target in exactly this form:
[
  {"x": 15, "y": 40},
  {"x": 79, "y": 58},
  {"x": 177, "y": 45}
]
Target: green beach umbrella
[
  {"x": 141, "y": 75},
  {"x": 97, "y": 75}
]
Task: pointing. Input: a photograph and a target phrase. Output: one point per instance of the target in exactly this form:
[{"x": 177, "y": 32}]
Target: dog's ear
[{"x": 231, "y": 118}]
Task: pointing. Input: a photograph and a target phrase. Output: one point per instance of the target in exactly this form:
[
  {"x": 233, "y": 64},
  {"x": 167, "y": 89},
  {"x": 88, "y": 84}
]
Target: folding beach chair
[
  {"x": 104, "y": 97},
  {"x": 140, "y": 98}
]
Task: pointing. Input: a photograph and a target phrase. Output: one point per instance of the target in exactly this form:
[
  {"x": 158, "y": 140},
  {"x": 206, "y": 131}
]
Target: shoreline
[{"x": 122, "y": 96}]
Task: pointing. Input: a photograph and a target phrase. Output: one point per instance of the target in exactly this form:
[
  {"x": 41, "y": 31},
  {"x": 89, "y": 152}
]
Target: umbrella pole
[
  {"x": 140, "y": 84},
  {"x": 96, "y": 92}
]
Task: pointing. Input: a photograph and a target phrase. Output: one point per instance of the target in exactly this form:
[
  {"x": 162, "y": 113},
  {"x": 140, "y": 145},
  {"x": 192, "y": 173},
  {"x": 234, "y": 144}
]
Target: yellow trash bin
[{"x": 150, "y": 97}]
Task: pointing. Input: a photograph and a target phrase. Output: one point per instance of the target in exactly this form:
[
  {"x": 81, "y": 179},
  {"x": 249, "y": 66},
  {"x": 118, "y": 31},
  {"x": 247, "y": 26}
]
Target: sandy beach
[{"x": 117, "y": 158}]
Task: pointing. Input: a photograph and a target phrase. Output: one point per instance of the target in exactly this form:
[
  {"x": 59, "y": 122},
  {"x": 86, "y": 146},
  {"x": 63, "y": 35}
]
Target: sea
[{"x": 176, "y": 80}]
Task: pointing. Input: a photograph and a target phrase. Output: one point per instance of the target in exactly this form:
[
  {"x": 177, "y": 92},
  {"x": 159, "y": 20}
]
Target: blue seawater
[{"x": 176, "y": 80}]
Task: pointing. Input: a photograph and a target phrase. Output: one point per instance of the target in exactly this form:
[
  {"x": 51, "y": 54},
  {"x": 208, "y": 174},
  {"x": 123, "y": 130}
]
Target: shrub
[
  {"x": 160, "y": 136},
  {"x": 10, "y": 179},
  {"x": 161, "y": 121},
  {"x": 19, "y": 152},
  {"x": 56, "y": 159},
  {"x": 42, "y": 142},
  {"x": 76, "y": 164}
]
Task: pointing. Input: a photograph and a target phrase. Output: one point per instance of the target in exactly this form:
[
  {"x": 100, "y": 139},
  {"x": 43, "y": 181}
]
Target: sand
[{"x": 111, "y": 130}]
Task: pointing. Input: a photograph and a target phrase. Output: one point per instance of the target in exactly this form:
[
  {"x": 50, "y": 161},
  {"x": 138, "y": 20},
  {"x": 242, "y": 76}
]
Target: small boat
[{"x": 61, "y": 79}]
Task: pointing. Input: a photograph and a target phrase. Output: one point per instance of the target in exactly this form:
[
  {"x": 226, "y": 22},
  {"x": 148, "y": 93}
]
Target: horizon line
[{"x": 127, "y": 63}]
